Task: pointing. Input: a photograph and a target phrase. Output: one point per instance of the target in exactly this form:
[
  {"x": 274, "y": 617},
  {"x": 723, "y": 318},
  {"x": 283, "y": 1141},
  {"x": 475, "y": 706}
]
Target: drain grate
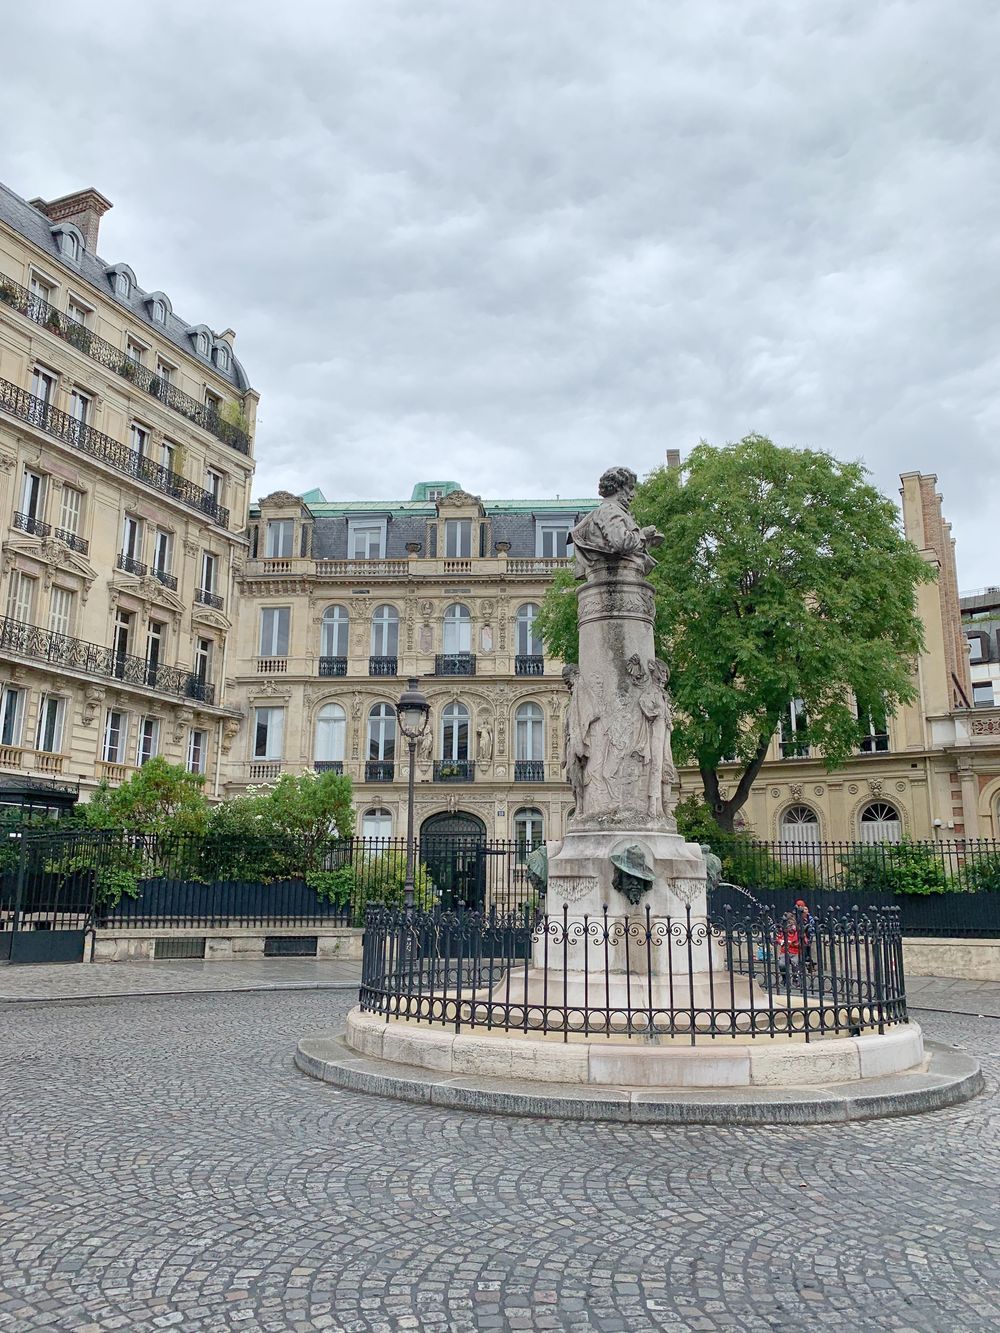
[
  {"x": 183, "y": 946},
  {"x": 290, "y": 946}
]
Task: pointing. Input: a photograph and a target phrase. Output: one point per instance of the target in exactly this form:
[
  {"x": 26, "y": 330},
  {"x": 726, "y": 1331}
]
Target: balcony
[
  {"x": 166, "y": 579},
  {"x": 113, "y": 358},
  {"x": 529, "y": 770},
  {"x": 74, "y": 542},
  {"x": 529, "y": 664},
  {"x": 36, "y": 412},
  {"x": 110, "y": 771},
  {"x": 455, "y": 664},
  {"x": 272, "y": 666},
  {"x": 379, "y": 770},
  {"x": 58, "y": 650},
  {"x": 27, "y": 523},
  {"x": 208, "y": 598},
  {"x": 130, "y": 565},
  {"x": 14, "y": 756},
  {"x": 328, "y": 765},
  {"x": 382, "y": 666},
  {"x": 333, "y": 666},
  {"x": 264, "y": 770},
  {"x": 454, "y": 770}
]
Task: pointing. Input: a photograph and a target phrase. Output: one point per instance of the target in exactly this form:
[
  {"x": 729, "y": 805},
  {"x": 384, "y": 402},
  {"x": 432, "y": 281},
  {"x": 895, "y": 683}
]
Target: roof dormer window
[
  {"x": 123, "y": 287},
  {"x": 159, "y": 313},
  {"x": 202, "y": 344},
  {"x": 222, "y": 356}
]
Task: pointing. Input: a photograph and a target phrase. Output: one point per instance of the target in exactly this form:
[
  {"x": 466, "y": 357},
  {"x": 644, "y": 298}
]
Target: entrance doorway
[{"x": 453, "y": 848}]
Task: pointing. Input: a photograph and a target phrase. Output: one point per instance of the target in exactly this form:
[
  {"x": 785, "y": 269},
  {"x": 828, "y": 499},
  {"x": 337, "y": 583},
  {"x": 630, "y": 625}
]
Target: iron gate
[{"x": 46, "y": 908}]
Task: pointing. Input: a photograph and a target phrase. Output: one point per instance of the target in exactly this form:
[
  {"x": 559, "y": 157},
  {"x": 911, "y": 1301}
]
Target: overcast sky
[{"x": 512, "y": 241}]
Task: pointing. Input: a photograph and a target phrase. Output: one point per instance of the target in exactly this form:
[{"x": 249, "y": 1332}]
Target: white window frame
[
  {"x": 529, "y": 732},
  {"x": 41, "y": 288},
  {"x": 457, "y": 633},
  {"x": 275, "y": 543},
  {"x": 43, "y": 385},
  {"x": 546, "y": 531},
  {"x": 209, "y": 571},
  {"x": 376, "y": 823},
  {"x": 380, "y": 734},
  {"x": 275, "y": 631},
  {"x": 71, "y": 510},
  {"x": 163, "y": 550},
  {"x": 148, "y": 741},
  {"x": 330, "y": 734},
  {"x": 12, "y": 703},
  {"x": 115, "y": 742},
  {"x": 385, "y": 631},
  {"x": 458, "y": 538},
  {"x": 123, "y": 285},
  {"x": 21, "y": 597},
  {"x": 80, "y": 405},
  {"x": 529, "y": 643},
  {"x": 77, "y": 311},
  {"x": 215, "y": 483},
  {"x": 455, "y": 718},
  {"x": 268, "y": 732},
  {"x": 62, "y": 607},
  {"x": 132, "y": 537},
  {"x": 204, "y": 651},
  {"x": 369, "y": 534},
  {"x": 335, "y": 631},
  {"x": 138, "y": 439},
  {"x": 33, "y": 490},
  {"x": 197, "y": 750},
  {"x": 51, "y": 710},
  {"x": 525, "y": 821}
]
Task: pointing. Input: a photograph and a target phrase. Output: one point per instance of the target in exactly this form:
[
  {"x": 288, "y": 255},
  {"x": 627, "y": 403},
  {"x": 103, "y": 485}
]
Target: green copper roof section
[
  {"x": 422, "y": 487},
  {"x": 418, "y": 504}
]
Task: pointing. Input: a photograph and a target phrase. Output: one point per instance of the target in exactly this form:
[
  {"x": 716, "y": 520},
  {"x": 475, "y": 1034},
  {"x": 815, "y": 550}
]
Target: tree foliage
[
  {"x": 159, "y": 798},
  {"x": 783, "y": 575}
]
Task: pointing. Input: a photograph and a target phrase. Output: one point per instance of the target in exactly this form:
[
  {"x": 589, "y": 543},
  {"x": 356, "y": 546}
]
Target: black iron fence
[{"x": 733, "y": 974}]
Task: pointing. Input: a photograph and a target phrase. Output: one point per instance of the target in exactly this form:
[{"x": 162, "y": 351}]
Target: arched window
[
  {"x": 222, "y": 357},
  {"x": 123, "y": 285},
  {"x": 382, "y": 733},
  {"x": 333, "y": 635},
  {"x": 529, "y": 644},
  {"x": 331, "y": 732},
  {"x": 799, "y": 824},
  {"x": 880, "y": 822},
  {"x": 529, "y": 732},
  {"x": 457, "y": 630},
  {"x": 385, "y": 631},
  {"x": 527, "y": 831},
  {"x": 376, "y": 823},
  {"x": 159, "y": 312},
  {"x": 455, "y": 732},
  {"x": 202, "y": 344}
]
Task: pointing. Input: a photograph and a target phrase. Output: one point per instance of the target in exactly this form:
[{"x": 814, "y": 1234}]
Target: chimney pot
[{"x": 84, "y": 208}]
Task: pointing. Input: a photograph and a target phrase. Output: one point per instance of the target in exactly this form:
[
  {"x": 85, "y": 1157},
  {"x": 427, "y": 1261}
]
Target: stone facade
[{"x": 125, "y": 467}]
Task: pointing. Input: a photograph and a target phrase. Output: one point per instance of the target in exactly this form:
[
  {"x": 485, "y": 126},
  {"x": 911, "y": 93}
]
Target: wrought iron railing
[
  {"x": 379, "y": 770},
  {"x": 529, "y": 664},
  {"x": 208, "y": 598},
  {"x": 382, "y": 666},
  {"x": 333, "y": 666},
  {"x": 113, "y": 358},
  {"x": 529, "y": 770},
  {"x": 94, "y": 659},
  {"x": 130, "y": 565},
  {"x": 328, "y": 765},
  {"x": 454, "y": 770},
  {"x": 61, "y": 426},
  {"x": 731, "y": 976},
  {"x": 71, "y": 539},
  {"x": 455, "y": 664},
  {"x": 166, "y": 579},
  {"x": 28, "y": 523}
]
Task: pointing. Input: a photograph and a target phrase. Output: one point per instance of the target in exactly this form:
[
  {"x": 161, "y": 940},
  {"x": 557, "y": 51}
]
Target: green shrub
[
  {"x": 982, "y": 873},
  {"x": 895, "y": 868}
]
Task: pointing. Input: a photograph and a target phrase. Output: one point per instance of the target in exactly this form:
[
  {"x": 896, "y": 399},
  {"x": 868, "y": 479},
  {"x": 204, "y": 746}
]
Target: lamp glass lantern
[{"x": 413, "y": 710}]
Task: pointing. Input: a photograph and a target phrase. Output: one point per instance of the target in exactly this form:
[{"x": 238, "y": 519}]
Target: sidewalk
[
  {"x": 78, "y": 981},
  {"x": 950, "y": 996}
]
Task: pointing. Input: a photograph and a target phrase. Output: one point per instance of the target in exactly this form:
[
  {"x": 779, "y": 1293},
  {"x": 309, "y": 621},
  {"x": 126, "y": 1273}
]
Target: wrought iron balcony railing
[
  {"x": 113, "y": 358},
  {"x": 455, "y": 664},
  {"x": 379, "y": 770},
  {"x": 328, "y": 765},
  {"x": 61, "y": 426},
  {"x": 529, "y": 770},
  {"x": 131, "y": 565},
  {"x": 33, "y": 525},
  {"x": 333, "y": 666},
  {"x": 74, "y": 542},
  {"x": 382, "y": 666},
  {"x": 166, "y": 579},
  {"x": 207, "y": 598},
  {"x": 60, "y": 650},
  {"x": 454, "y": 770},
  {"x": 529, "y": 664}
]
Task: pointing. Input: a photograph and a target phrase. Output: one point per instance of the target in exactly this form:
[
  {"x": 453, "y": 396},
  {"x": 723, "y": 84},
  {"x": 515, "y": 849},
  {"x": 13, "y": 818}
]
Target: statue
[
  {"x": 484, "y": 737},
  {"x": 609, "y": 533}
]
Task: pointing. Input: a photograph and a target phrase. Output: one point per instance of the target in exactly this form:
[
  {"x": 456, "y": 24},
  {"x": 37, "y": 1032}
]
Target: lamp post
[{"x": 413, "y": 712}]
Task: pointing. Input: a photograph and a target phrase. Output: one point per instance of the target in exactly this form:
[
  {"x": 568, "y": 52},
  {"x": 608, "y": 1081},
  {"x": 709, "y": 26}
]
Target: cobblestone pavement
[
  {"x": 163, "y": 1165},
  {"x": 68, "y": 981}
]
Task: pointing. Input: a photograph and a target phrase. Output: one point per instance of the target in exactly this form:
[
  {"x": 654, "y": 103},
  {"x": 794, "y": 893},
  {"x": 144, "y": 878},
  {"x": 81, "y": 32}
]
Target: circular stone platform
[{"x": 945, "y": 1077}]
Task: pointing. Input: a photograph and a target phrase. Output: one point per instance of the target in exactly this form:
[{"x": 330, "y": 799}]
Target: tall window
[
  {"x": 333, "y": 638},
  {"x": 61, "y": 611},
  {"x": 168, "y": 455},
  {"x": 138, "y": 440},
  {"x": 799, "y": 824},
  {"x": 529, "y": 644},
  {"x": 115, "y": 736},
  {"x": 376, "y": 823},
  {"x": 154, "y": 648},
  {"x": 527, "y": 831},
  {"x": 163, "y": 549},
  {"x": 529, "y": 732},
  {"x": 77, "y": 312},
  {"x": 164, "y": 373},
  {"x": 455, "y": 732},
  {"x": 209, "y": 571},
  {"x": 457, "y": 629},
  {"x": 214, "y": 482},
  {"x": 268, "y": 733},
  {"x": 122, "y": 285},
  {"x": 33, "y": 494},
  {"x": 159, "y": 313},
  {"x": 552, "y": 539},
  {"x": 21, "y": 597},
  {"x": 148, "y": 742},
  {"x": 880, "y": 822},
  {"x": 131, "y": 537},
  {"x": 458, "y": 537},
  {"x": 366, "y": 541},
  {"x": 11, "y": 715},
  {"x": 43, "y": 385},
  {"x": 385, "y": 631},
  {"x": 274, "y": 626},
  {"x": 41, "y": 290},
  {"x": 382, "y": 732},
  {"x": 50, "y": 724},
  {"x": 331, "y": 733},
  {"x": 794, "y": 732},
  {"x": 135, "y": 352},
  {"x": 280, "y": 535},
  {"x": 122, "y": 637},
  {"x": 79, "y": 407},
  {"x": 203, "y": 661},
  {"x": 197, "y": 746},
  {"x": 873, "y": 727},
  {"x": 70, "y": 510}
]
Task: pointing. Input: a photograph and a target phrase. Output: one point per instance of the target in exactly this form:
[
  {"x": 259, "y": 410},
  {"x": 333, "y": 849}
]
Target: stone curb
[
  {"x": 950, "y": 1078},
  {"x": 161, "y": 994}
]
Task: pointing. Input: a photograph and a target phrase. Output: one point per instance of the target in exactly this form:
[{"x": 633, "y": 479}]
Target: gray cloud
[{"x": 506, "y": 242}]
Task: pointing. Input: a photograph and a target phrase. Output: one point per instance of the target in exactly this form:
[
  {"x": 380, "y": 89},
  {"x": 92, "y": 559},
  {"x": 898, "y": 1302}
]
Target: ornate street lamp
[{"x": 412, "y": 712}]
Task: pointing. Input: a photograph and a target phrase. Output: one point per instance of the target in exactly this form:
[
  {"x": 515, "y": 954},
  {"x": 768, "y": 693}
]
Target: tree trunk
[{"x": 724, "y": 812}]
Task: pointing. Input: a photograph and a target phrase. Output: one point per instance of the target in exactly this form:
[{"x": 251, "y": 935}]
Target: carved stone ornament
[
  {"x": 875, "y": 786},
  {"x": 852, "y": 787},
  {"x": 795, "y": 789},
  {"x": 229, "y": 734},
  {"x": 458, "y": 500},
  {"x": 281, "y": 498},
  {"x": 182, "y": 720},
  {"x": 986, "y": 726},
  {"x": 632, "y": 876},
  {"x": 7, "y": 462},
  {"x": 572, "y": 888},
  {"x": 426, "y": 609},
  {"x": 486, "y": 607}
]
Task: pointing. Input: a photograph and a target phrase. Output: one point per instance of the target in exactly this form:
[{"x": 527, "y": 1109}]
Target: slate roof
[{"x": 35, "y": 227}]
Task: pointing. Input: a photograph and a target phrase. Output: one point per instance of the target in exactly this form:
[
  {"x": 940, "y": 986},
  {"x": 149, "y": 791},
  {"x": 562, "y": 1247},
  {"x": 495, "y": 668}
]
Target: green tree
[
  {"x": 784, "y": 575},
  {"x": 159, "y": 798}
]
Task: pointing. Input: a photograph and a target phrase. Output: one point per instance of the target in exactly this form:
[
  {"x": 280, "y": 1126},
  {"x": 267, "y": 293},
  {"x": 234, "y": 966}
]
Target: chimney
[
  {"x": 84, "y": 209},
  {"x": 673, "y": 458}
]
